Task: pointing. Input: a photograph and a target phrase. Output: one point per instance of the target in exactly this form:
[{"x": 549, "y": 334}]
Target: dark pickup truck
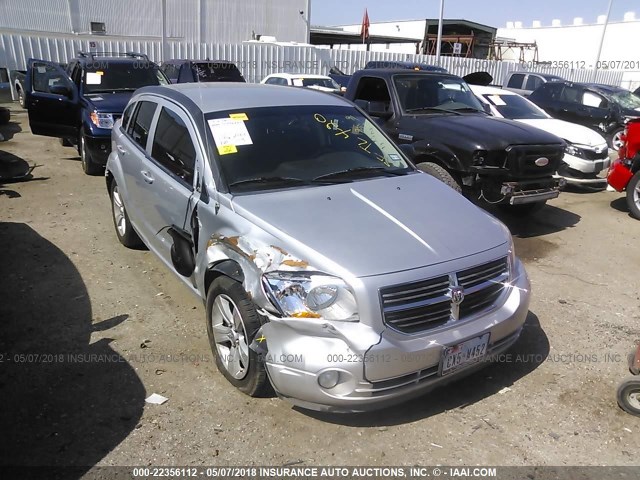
[{"x": 444, "y": 130}]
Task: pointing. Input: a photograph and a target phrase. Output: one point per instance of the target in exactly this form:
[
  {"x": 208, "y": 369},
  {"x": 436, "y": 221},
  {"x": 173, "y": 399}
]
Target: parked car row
[{"x": 324, "y": 255}]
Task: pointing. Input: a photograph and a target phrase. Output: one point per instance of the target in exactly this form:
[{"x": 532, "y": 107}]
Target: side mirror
[{"x": 60, "y": 90}]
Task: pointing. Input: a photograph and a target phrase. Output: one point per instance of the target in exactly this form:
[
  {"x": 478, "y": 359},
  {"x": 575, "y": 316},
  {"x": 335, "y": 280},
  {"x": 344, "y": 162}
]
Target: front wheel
[
  {"x": 88, "y": 165},
  {"x": 441, "y": 174},
  {"x": 633, "y": 195},
  {"x": 628, "y": 396},
  {"x": 21, "y": 97},
  {"x": 232, "y": 323}
]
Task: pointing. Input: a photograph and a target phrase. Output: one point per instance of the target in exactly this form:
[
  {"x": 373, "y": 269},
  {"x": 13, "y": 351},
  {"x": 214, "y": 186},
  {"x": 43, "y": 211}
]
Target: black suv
[
  {"x": 188, "y": 71},
  {"x": 80, "y": 103},
  {"x": 603, "y": 108}
]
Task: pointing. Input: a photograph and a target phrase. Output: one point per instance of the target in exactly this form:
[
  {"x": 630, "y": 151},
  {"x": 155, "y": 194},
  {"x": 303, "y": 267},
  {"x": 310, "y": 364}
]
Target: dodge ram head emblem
[
  {"x": 457, "y": 295},
  {"x": 542, "y": 162}
]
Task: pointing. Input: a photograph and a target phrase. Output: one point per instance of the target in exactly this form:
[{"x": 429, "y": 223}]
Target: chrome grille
[{"x": 426, "y": 304}]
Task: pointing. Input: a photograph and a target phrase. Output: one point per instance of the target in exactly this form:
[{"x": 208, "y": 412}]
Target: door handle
[
  {"x": 121, "y": 149},
  {"x": 146, "y": 176}
]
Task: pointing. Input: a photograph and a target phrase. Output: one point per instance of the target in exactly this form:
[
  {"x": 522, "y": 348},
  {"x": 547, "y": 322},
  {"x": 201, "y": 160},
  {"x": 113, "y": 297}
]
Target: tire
[
  {"x": 441, "y": 174},
  {"x": 21, "y": 97},
  {"x": 124, "y": 231},
  {"x": 614, "y": 140},
  {"x": 524, "y": 209},
  {"x": 628, "y": 396},
  {"x": 232, "y": 323},
  {"x": 5, "y": 115},
  {"x": 633, "y": 195},
  {"x": 65, "y": 142},
  {"x": 88, "y": 165}
]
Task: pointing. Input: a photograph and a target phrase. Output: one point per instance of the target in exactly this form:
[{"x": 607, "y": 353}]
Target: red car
[{"x": 624, "y": 173}]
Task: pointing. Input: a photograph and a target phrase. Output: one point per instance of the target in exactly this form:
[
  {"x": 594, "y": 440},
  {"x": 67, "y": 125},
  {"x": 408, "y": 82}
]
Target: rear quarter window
[
  {"x": 516, "y": 80},
  {"x": 141, "y": 124}
]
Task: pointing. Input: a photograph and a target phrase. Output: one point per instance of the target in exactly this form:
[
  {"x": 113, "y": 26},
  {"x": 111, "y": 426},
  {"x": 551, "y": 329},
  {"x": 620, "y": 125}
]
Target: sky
[{"x": 494, "y": 13}]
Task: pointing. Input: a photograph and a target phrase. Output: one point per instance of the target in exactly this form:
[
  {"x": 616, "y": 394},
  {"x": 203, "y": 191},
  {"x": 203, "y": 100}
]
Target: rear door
[
  {"x": 51, "y": 99},
  {"x": 594, "y": 109}
]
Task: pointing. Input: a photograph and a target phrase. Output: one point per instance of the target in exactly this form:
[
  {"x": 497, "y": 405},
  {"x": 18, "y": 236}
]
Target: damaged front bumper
[{"x": 375, "y": 369}]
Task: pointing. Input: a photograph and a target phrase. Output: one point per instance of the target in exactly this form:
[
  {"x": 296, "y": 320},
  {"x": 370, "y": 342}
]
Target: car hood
[
  {"x": 571, "y": 132},
  {"x": 374, "y": 226},
  {"x": 479, "y": 131},
  {"x": 109, "y": 102}
]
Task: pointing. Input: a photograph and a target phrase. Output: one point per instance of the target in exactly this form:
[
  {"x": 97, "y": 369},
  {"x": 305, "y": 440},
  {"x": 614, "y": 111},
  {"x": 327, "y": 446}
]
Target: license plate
[{"x": 463, "y": 354}]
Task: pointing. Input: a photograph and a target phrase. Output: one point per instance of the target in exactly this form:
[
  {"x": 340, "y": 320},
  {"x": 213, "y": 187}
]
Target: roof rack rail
[{"x": 93, "y": 55}]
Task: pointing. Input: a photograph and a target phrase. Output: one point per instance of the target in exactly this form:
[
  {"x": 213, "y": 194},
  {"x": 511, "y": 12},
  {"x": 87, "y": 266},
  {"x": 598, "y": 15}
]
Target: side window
[
  {"x": 273, "y": 81},
  {"x": 127, "y": 114},
  {"x": 591, "y": 99},
  {"x": 516, "y": 80},
  {"x": 140, "y": 125},
  {"x": 533, "y": 82},
  {"x": 46, "y": 76},
  {"x": 571, "y": 95},
  {"x": 373, "y": 90},
  {"x": 173, "y": 147}
]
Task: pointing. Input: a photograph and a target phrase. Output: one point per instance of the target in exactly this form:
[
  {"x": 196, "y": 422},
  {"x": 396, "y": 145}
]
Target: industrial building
[{"x": 192, "y": 21}]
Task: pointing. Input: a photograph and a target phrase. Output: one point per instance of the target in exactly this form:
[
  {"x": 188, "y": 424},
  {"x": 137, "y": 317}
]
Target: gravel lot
[{"x": 89, "y": 329}]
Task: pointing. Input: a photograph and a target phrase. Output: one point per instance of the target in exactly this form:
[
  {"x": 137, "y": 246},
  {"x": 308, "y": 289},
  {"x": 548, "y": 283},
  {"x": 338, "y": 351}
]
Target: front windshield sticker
[
  {"x": 239, "y": 116},
  {"x": 94, "y": 78},
  {"x": 297, "y": 82},
  {"x": 496, "y": 100},
  {"x": 229, "y": 133}
]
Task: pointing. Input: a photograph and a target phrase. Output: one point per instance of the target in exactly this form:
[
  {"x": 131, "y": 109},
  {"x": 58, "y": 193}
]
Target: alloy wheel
[
  {"x": 118, "y": 212},
  {"x": 230, "y": 336}
]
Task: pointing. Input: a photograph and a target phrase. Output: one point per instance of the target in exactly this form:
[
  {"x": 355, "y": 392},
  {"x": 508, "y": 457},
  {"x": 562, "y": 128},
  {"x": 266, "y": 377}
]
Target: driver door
[{"x": 51, "y": 99}]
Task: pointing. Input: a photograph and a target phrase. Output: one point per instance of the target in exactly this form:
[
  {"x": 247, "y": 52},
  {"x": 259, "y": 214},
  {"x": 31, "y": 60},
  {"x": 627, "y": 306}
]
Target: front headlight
[
  {"x": 311, "y": 295},
  {"x": 102, "y": 120},
  {"x": 574, "y": 151}
]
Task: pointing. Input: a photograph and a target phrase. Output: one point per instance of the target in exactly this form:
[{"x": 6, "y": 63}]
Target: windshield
[
  {"x": 433, "y": 92},
  {"x": 319, "y": 82},
  {"x": 625, "y": 99},
  {"x": 514, "y": 107},
  {"x": 129, "y": 76},
  {"x": 285, "y": 147},
  {"x": 217, "y": 72}
]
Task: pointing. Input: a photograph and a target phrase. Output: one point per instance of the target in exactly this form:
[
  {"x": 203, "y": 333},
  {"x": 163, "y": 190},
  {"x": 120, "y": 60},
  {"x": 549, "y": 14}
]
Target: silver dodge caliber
[{"x": 331, "y": 269}]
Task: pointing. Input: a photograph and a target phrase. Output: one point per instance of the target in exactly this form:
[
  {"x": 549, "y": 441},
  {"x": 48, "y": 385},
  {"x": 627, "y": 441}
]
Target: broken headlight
[{"x": 311, "y": 295}]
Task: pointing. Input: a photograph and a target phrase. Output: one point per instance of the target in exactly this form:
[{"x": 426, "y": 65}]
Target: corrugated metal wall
[
  {"x": 257, "y": 60},
  {"x": 228, "y": 21}
]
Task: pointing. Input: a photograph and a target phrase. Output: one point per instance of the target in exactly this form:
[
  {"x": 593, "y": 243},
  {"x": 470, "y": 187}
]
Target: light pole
[
  {"x": 164, "y": 30},
  {"x": 439, "y": 40},
  {"x": 604, "y": 30}
]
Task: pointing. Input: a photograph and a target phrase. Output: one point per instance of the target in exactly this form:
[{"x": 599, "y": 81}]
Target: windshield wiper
[
  {"x": 269, "y": 180},
  {"x": 433, "y": 109},
  {"x": 350, "y": 171},
  {"x": 468, "y": 109}
]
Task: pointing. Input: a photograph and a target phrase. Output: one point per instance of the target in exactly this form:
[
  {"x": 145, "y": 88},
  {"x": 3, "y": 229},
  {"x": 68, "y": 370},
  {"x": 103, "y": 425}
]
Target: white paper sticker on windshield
[
  {"x": 496, "y": 100},
  {"x": 229, "y": 132},
  {"x": 297, "y": 82},
  {"x": 94, "y": 78}
]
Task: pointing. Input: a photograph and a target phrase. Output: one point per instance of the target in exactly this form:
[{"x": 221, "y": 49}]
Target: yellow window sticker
[
  {"x": 226, "y": 149},
  {"x": 239, "y": 116}
]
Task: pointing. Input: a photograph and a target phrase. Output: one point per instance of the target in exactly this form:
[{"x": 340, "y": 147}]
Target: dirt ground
[{"x": 89, "y": 329}]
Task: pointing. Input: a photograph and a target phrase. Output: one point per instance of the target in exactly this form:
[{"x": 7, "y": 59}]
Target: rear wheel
[
  {"x": 633, "y": 195},
  {"x": 441, "y": 174},
  {"x": 615, "y": 139},
  {"x": 232, "y": 323},
  {"x": 88, "y": 165},
  {"x": 124, "y": 231}
]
